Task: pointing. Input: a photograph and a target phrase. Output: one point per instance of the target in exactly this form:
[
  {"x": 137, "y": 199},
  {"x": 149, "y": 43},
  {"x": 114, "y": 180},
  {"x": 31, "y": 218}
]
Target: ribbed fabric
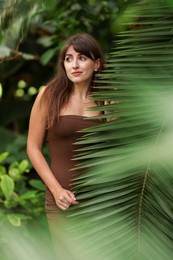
[{"x": 61, "y": 139}]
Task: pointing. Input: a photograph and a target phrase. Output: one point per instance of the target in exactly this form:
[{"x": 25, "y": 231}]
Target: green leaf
[
  {"x": 50, "y": 4},
  {"x": 23, "y": 166},
  {"x": 29, "y": 195},
  {"x": 38, "y": 184},
  {"x": 46, "y": 41},
  {"x": 3, "y": 156},
  {"x": 170, "y": 3},
  {"x": 14, "y": 173},
  {"x": 4, "y": 51},
  {"x": 27, "y": 56},
  {"x": 10, "y": 203},
  {"x": 16, "y": 219},
  {"x": 46, "y": 57},
  {"x": 7, "y": 186},
  {"x": 3, "y": 171}
]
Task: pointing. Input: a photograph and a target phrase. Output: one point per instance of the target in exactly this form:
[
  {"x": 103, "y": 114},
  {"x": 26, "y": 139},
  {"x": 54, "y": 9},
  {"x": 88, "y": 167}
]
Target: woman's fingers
[
  {"x": 63, "y": 206},
  {"x": 71, "y": 198},
  {"x": 64, "y": 199}
]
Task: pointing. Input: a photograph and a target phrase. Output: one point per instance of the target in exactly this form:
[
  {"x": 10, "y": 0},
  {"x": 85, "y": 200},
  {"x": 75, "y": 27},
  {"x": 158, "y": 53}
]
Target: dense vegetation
[{"x": 32, "y": 33}]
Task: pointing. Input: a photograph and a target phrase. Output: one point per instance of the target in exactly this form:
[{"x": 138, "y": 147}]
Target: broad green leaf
[
  {"x": 3, "y": 171},
  {"x": 29, "y": 195},
  {"x": 7, "y": 186},
  {"x": 15, "y": 220},
  {"x": 23, "y": 166},
  {"x": 14, "y": 173},
  {"x": 38, "y": 184},
  {"x": 47, "y": 56},
  {"x": 3, "y": 156},
  {"x": 11, "y": 203}
]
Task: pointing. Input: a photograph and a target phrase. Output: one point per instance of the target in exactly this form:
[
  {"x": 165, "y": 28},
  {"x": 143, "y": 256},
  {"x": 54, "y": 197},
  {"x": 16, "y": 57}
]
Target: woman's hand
[{"x": 64, "y": 198}]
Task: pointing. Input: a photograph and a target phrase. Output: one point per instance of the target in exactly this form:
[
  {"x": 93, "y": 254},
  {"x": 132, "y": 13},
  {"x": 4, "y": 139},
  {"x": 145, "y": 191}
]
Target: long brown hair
[{"x": 59, "y": 89}]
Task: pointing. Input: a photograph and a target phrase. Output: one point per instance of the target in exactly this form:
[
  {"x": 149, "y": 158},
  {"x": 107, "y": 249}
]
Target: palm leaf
[{"x": 127, "y": 189}]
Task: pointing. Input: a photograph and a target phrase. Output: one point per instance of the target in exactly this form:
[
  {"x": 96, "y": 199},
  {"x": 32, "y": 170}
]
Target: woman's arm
[{"x": 37, "y": 128}]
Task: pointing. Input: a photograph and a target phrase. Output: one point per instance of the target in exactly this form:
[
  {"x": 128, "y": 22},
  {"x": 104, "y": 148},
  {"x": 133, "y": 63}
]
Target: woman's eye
[
  {"x": 68, "y": 59},
  {"x": 83, "y": 58}
]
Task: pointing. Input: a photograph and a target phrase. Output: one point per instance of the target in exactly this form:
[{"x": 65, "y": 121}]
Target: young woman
[{"x": 59, "y": 114}]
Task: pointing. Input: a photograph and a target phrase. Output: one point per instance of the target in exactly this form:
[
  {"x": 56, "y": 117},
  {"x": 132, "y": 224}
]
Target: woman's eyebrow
[{"x": 68, "y": 54}]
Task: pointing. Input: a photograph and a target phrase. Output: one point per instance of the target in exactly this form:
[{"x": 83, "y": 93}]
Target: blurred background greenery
[{"x": 31, "y": 35}]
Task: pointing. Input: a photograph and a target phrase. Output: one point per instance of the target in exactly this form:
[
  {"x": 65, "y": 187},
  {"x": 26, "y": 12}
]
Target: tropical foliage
[
  {"x": 21, "y": 199},
  {"x": 31, "y": 35},
  {"x": 128, "y": 212}
]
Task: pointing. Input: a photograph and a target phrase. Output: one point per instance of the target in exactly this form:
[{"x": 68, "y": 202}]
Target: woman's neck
[{"x": 81, "y": 92}]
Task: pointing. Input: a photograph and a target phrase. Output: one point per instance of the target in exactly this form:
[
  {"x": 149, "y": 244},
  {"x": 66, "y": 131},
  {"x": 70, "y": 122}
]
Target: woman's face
[{"x": 79, "y": 68}]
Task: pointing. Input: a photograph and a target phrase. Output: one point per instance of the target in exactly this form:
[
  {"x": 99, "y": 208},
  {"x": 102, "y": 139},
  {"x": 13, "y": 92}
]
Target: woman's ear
[{"x": 97, "y": 65}]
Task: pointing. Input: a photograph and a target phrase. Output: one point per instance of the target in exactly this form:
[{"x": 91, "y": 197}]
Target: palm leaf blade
[{"x": 127, "y": 189}]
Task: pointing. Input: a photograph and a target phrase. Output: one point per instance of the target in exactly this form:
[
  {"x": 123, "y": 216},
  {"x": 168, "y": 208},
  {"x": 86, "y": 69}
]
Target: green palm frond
[{"x": 127, "y": 211}]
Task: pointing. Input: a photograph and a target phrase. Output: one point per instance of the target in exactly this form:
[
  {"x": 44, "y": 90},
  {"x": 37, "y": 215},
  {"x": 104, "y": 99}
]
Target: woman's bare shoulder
[
  {"x": 40, "y": 98},
  {"x": 42, "y": 91}
]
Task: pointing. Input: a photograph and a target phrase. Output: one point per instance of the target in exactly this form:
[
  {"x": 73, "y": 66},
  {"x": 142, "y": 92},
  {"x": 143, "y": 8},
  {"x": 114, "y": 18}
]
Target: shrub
[{"x": 21, "y": 198}]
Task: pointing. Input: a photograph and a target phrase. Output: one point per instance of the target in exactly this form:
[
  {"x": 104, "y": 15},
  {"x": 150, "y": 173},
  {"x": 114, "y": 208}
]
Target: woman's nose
[{"x": 75, "y": 64}]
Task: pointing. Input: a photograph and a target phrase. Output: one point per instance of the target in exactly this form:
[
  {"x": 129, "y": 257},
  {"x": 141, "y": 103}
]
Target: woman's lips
[{"x": 76, "y": 73}]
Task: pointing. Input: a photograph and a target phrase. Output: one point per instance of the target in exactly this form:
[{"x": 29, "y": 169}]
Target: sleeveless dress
[{"x": 61, "y": 140}]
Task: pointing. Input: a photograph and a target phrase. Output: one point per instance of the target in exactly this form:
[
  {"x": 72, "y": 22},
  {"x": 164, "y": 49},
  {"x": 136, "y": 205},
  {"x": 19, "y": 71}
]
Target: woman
[{"x": 59, "y": 114}]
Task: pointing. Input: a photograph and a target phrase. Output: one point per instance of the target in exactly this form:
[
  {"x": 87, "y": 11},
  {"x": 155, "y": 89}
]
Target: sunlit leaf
[
  {"x": 3, "y": 156},
  {"x": 46, "y": 57},
  {"x": 4, "y": 51},
  {"x": 23, "y": 166},
  {"x": 2, "y": 170},
  {"x": 7, "y": 185},
  {"x": 16, "y": 219}
]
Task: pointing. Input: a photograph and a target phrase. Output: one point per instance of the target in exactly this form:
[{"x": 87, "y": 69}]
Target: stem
[{"x": 146, "y": 178}]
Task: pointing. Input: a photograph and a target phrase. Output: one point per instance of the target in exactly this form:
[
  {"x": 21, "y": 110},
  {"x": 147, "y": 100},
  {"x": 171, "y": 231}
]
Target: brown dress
[
  {"x": 61, "y": 143},
  {"x": 61, "y": 139}
]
